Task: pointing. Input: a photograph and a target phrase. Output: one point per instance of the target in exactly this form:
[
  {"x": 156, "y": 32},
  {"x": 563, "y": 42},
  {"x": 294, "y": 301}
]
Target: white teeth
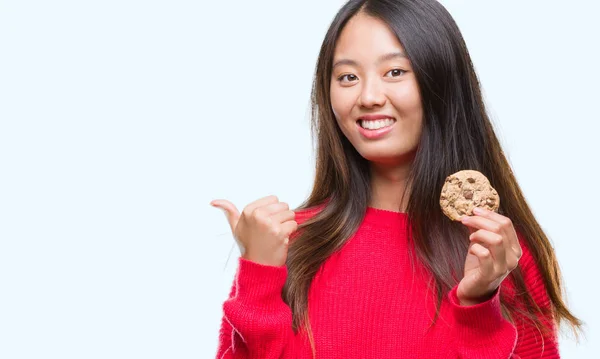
[{"x": 377, "y": 124}]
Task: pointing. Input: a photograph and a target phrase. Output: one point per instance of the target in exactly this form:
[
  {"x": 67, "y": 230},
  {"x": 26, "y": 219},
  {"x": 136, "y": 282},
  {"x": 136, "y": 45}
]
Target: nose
[{"x": 372, "y": 94}]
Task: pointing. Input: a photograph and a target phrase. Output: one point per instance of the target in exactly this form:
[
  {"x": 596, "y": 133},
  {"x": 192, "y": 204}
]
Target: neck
[{"x": 388, "y": 183}]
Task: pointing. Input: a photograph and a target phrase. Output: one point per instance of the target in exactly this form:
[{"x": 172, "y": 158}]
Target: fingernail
[{"x": 477, "y": 210}]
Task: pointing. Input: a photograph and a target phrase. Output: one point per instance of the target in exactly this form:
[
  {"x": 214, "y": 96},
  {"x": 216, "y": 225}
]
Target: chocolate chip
[
  {"x": 468, "y": 194},
  {"x": 471, "y": 180}
]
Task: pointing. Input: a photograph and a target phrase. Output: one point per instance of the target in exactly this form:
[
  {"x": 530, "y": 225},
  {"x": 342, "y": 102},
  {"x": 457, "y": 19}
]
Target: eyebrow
[{"x": 386, "y": 57}]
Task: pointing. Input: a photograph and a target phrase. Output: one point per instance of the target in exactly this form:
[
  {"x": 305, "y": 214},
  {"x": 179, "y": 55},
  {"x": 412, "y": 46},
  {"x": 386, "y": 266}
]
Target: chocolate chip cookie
[{"x": 465, "y": 190}]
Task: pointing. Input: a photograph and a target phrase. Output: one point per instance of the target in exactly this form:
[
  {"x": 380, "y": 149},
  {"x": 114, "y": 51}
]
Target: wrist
[
  {"x": 467, "y": 302},
  {"x": 262, "y": 261}
]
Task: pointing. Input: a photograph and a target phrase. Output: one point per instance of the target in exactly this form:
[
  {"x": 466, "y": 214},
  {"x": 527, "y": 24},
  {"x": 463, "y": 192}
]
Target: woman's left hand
[{"x": 493, "y": 253}]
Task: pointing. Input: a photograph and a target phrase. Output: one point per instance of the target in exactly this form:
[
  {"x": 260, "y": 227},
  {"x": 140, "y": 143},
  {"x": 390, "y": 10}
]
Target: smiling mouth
[{"x": 376, "y": 124}]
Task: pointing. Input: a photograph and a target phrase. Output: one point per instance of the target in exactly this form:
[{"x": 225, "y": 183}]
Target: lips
[{"x": 374, "y": 134}]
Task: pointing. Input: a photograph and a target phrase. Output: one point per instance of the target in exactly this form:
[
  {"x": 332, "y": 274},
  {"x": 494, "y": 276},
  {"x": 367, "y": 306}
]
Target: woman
[{"x": 368, "y": 266}]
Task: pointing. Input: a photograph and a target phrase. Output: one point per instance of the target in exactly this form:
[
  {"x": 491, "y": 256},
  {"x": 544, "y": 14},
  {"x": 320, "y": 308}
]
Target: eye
[
  {"x": 395, "y": 73},
  {"x": 347, "y": 78}
]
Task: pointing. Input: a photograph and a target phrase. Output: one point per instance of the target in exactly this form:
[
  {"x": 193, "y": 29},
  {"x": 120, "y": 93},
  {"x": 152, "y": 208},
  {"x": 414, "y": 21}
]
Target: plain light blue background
[{"x": 121, "y": 120}]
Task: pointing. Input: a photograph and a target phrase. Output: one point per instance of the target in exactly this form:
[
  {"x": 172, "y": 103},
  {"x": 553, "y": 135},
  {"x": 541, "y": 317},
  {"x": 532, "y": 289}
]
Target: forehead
[{"x": 366, "y": 37}]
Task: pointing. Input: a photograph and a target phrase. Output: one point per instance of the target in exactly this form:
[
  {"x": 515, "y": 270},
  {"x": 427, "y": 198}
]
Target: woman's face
[{"x": 372, "y": 85}]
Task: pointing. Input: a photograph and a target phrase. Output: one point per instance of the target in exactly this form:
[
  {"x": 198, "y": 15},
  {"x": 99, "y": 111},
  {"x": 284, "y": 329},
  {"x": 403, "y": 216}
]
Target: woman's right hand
[{"x": 262, "y": 230}]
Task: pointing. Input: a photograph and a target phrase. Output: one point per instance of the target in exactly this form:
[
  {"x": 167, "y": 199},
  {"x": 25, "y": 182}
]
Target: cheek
[
  {"x": 409, "y": 107},
  {"x": 407, "y": 102},
  {"x": 341, "y": 103}
]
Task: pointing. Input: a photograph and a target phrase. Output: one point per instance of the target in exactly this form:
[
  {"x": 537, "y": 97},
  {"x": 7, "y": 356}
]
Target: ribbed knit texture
[{"x": 366, "y": 301}]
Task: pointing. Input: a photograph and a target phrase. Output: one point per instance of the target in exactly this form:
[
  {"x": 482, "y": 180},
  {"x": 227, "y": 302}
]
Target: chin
[{"x": 390, "y": 156}]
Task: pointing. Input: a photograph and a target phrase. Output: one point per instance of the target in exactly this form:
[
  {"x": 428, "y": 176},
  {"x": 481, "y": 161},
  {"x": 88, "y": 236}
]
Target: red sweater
[{"x": 366, "y": 302}]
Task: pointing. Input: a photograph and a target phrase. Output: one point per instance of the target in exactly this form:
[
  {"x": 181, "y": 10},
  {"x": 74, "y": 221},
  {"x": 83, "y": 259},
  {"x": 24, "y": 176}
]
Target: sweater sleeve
[
  {"x": 481, "y": 332},
  {"x": 256, "y": 321}
]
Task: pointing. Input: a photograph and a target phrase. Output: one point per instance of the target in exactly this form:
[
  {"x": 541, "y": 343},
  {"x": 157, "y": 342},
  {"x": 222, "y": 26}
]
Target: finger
[
  {"x": 232, "y": 213},
  {"x": 274, "y": 208},
  {"x": 507, "y": 228},
  {"x": 284, "y": 216},
  {"x": 512, "y": 260},
  {"x": 288, "y": 228},
  {"x": 484, "y": 212},
  {"x": 486, "y": 264},
  {"x": 515, "y": 245},
  {"x": 260, "y": 202},
  {"x": 471, "y": 229},
  {"x": 480, "y": 222},
  {"x": 495, "y": 244},
  {"x": 486, "y": 224},
  {"x": 496, "y": 223},
  {"x": 504, "y": 221}
]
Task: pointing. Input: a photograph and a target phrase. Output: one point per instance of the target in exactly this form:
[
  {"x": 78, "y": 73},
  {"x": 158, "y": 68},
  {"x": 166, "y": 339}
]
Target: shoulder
[
  {"x": 532, "y": 273},
  {"x": 527, "y": 263}
]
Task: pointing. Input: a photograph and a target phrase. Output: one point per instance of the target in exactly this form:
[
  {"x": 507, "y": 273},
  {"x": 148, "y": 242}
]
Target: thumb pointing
[{"x": 232, "y": 213}]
